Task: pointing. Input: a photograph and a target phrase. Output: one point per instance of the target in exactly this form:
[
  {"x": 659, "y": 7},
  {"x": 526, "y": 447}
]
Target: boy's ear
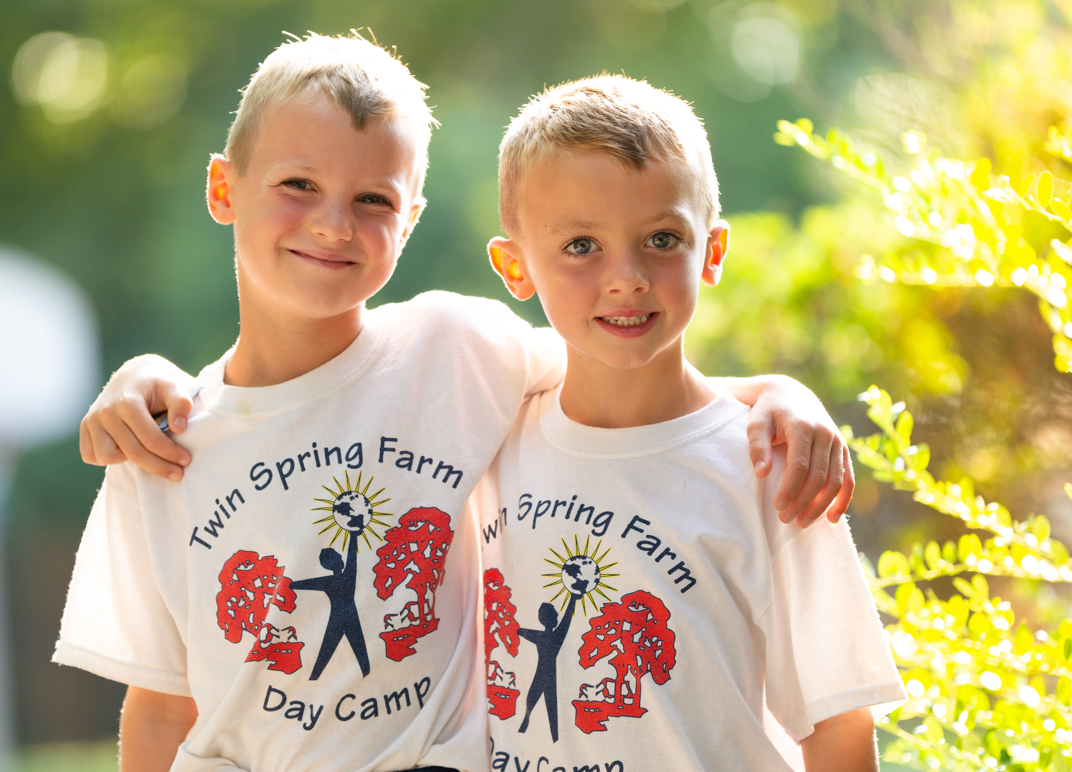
[
  {"x": 415, "y": 210},
  {"x": 504, "y": 259},
  {"x": 718, "y": 243},
  {"x": 220, "y": 174}
]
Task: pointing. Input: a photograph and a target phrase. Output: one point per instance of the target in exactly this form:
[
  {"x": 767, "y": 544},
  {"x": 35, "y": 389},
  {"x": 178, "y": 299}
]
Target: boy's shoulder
[
  {"x": 441, "y": 306},
  {"x": 461, "y": 330}
]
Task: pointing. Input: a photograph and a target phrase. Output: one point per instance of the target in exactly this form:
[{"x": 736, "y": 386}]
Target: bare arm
[
  {"x": 151, "y": 729},
  {"x": 844, "y": 743},
  {"x": 120, "y": 427},
  {"x": 819, "y": 476}
]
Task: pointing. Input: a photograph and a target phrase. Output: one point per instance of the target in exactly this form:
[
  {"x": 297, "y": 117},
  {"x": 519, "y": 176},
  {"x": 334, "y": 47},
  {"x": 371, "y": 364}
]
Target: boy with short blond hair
[
  {"x": 643, "y": 601},
  {"x": 306, "y": 597},
  {"x": 289, "y": 605}
]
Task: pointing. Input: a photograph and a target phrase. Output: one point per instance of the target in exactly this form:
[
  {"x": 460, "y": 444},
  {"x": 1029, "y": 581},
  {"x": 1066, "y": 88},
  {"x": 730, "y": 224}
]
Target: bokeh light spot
[
  {"x": 64, "y": 74},
  {"x": 150, "y": 92},
  {"x": 766, "y": 44}
]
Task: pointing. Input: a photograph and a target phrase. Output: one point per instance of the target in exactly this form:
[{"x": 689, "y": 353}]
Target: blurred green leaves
[
  {"x": 984, "y": 691},
  {"x": 951, "y": 219}
]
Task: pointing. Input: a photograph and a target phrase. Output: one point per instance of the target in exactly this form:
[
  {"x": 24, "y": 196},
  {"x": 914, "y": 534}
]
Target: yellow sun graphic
[
  {"x": 580, "y": 572},
  {"x": 352, "y": 510}
]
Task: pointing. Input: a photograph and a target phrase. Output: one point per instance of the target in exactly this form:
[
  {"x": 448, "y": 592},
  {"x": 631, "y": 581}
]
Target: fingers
[
  {"x": 823, "y": 500},
  {"x": 134, "y": 430},
  {"x": 818, "y": 473},
  {"x": 848, "y": 485},
  {"x": 95, "y": 444},
  {"x": 178, "y": 406},
  {"x": 120, "y": 427},
  {"x": 85, "y": 444},
  {"x": 760, "y": 434},
  {"x": 798, "y": 462}
]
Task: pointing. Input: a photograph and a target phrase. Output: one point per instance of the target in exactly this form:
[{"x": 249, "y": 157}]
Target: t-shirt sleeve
[
  {"x": 499, "y": 344},
  {"x": 826, "y": 650},
  {"x": 546, "y": 360},
  {"x": 116, "y": 622}
]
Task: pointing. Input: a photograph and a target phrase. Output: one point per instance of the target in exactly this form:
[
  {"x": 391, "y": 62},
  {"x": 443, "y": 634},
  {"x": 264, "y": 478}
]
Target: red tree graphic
[
  {"x": 635, "y": 631},
  {"x": 500, "y": 627},
  {"x": 413, "y": 555},
  {"x": 248, "y": 585},
  {"x": 280, "y": 647}
]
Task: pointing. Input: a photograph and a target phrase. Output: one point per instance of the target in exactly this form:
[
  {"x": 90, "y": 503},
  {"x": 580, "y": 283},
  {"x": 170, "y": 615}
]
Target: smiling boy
[
  {"x": 289, "y": 605},
  {"x": 692, "y": 606},
  {"x": 306, "y": 597}
]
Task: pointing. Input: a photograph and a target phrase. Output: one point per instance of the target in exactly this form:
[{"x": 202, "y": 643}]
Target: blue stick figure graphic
[
  {"x": 340, "y": 587},
  {"x": 548, "y": 644}
]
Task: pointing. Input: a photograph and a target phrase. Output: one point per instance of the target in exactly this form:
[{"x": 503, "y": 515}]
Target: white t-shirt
[
  {"x": 692, "y": 602},
  {"x": 313, "y": 581}
]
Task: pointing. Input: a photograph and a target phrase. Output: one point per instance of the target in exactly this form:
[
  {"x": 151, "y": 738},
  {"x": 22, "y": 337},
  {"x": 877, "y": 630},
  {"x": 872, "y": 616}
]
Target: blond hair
[
  {"x": 364, "y": 80},
  {"x": 629, "y": 120}
]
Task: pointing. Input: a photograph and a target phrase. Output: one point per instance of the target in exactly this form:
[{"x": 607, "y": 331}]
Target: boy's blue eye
[
  {"x": 372, "y": 198},
  {"x": 663, "y": 240},
  {"x": 581, "y": 246}
]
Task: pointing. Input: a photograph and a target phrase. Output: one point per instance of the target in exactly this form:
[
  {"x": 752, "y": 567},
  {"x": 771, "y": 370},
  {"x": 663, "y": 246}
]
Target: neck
[
  {"x": 605, "y": 397},
  {"x": 270, "y": 351}
]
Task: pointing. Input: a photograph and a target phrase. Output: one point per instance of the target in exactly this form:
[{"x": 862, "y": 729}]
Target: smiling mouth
[
  {"x": 627, "y": 321},
  {"x": 332, "y": 260}
]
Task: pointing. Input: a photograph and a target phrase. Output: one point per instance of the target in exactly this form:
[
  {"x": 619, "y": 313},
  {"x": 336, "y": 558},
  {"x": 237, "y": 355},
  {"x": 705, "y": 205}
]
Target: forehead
[
  {"x": 311, "y": 130},
  {"x": 593, "y": 187}
]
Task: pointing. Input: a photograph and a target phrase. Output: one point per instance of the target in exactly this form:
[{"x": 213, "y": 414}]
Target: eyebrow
[
  {"x": 667, "y": 214},
  {"x": 387, "y": 183},
  {"x": 583, "y": 225}
]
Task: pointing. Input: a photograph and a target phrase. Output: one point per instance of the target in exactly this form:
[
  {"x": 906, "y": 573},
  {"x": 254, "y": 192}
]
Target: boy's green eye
[
  {"x": 299, "y": 184},
  {"x": 581, "y": 246},
  {"x": 663, "y": 240}
]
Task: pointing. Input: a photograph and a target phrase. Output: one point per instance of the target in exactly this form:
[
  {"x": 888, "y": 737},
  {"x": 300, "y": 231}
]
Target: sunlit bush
[
  {"x": 953, "y": 218},
  {"x": 986, "y": 692}
]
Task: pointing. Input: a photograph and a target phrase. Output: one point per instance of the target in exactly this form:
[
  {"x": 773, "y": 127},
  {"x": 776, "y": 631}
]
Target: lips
[
  {"x": 625, "y": 324},
  {"x": 626, "y": 321},
  {"x": 324, "y": 259}
]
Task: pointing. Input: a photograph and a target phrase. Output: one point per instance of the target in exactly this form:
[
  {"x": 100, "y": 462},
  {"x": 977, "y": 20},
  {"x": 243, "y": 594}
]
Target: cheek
[
  {"x": 271, "y": 216},
  {"x": 681, "y": 286},
  {"x": 380, "y": 236}
]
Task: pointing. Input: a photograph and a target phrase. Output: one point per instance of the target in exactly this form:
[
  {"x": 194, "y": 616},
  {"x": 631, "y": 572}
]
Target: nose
[
  {"x": 333, "y": 221},
  {"x": 626, "y": 273}
]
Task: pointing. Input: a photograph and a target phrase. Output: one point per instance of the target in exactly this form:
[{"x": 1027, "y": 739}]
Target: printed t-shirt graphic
[
  {"x": 692, "y": 603},
  {"x": 413, "y": 555},
  {"x": 633, "y": 633},
  {"x": 215, "y": 587},
  {"x": 248, "y": 585}
]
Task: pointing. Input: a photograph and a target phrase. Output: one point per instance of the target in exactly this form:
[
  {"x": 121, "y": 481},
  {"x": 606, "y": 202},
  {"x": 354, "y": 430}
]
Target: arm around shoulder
[
  {"x": 120, "y": 426},
  {"x": 842, "y": 743},
  {"x": 818, "y": 478},
  {"x": 152, "y": 728}
]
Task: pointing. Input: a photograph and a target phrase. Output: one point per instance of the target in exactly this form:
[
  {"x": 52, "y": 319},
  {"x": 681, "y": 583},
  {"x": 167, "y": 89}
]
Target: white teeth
[{"x": 626, "y": 321}]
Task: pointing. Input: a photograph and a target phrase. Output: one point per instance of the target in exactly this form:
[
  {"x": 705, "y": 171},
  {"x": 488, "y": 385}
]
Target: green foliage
[
  {"x": 985, "y": 692},
  {"x": 790, "y": 301},
  {"x": 988, "y": 678},
  {"x": 978, "y": 227},
  {"x": 1017, "y": 548}
]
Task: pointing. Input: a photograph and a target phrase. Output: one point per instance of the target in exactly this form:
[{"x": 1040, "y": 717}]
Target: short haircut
[
  {"x": 364, "y": 80},
  {"x": 629, "y": 120}
]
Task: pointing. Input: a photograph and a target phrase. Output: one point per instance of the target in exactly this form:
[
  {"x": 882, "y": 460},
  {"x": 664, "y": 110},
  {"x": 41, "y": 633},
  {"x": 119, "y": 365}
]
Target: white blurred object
[
  {"x": 48, "y": 352},
  {"x": 49, "y": 367}
]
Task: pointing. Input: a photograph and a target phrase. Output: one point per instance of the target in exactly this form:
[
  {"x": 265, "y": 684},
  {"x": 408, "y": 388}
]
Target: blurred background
[{"x": 111, "y": 108}]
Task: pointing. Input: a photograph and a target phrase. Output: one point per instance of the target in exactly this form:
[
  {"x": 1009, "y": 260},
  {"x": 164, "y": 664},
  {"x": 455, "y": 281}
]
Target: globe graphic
[
  {"x": 580, "y": 574},
  {"x": 352, "y": 511}
]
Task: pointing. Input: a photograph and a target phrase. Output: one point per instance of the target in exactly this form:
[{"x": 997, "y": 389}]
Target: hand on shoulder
[
  {"x": 818, "y": 478},
  {"x": 120, "y": 425}
]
